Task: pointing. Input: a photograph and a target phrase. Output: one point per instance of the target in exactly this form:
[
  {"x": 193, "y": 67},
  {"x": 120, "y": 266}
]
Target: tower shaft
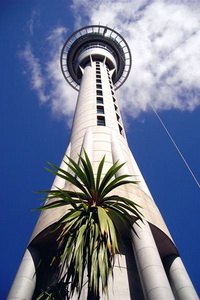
[{"x": 98, "y": 129}]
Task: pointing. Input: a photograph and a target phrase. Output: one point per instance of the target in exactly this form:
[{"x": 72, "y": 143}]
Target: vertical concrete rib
[
  {"x": 88, "y": 144},
  {"x": 58, "y": 181},
  {"x": 178, "y": 277},
  {"x": 118, "y": 285},
  {"x": 152, "y": 274},
  {"x": 25, "y": 280},
  {"x": 117, "y": 155},
  {"x": 141, "y": 182}
]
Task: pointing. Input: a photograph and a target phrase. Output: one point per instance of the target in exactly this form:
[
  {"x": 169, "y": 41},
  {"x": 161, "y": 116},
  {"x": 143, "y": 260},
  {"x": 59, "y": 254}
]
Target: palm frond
[
  {"x": 99, "y": 172},
  {"x": 109, "y": 174}
]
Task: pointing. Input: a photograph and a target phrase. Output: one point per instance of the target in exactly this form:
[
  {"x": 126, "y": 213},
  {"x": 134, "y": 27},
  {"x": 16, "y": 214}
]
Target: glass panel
[
  {"x": 101, "y": 121},
  {"x": 99, "y": 93},
  {"x": 120, "y": 129},
  {"x": 99, "y": 100},
  {"x": 118, "y": 117},
  {"x": 100, "y": 109}
]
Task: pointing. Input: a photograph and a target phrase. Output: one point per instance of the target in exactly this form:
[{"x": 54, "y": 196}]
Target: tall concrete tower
[{"x": 96, "y": 61}]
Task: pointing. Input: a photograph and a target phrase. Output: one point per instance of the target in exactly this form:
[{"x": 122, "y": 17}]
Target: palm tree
[{"x": 90, "y": 227}]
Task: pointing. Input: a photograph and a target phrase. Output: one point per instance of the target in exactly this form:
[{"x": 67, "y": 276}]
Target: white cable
[{"x": 175, "y": 145}]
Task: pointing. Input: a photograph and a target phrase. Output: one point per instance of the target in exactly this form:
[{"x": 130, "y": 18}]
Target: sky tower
[{"x": 96, "y": 61}]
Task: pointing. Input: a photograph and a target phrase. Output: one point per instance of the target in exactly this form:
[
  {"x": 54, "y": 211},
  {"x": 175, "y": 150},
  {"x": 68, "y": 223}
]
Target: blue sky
[{"x": 37, "y": 108}]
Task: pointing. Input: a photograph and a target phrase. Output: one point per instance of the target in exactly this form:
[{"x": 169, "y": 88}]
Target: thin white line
[{"x": 175, "y": 145}]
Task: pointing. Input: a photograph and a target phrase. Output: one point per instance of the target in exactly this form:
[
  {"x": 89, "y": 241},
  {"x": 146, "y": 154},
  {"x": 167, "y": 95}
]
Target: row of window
[
  {"x": 114, "y": 101},
  {"x": 99, "y": 99}
]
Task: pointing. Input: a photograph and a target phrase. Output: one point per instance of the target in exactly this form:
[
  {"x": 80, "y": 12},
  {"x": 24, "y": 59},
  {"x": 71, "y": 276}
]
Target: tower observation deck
[
  {"x": 98, "y": 43},
  {"x": 96, "y": 61}
]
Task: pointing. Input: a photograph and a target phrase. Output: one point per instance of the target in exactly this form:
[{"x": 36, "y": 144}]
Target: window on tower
[
  {"x": 101, "y": 121},
  {"x": 99, "y": 93},
  {"x": 120, "y": 129},
  {"x": 100, "y": 109},
  {"x": 99, "y": 100},
  {"x": 99, "y": 86},
  {"x": 98, "y": 81}
]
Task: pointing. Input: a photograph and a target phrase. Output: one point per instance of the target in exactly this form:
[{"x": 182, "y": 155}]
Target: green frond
[
  {"x": 99, "y": 172},
  {"x": 68, "y": 177},
  {"x": 102, "y": 220},
  {"x": 55, "y": 204},
  {"x": 78, "y": 172},
  {"x": 114, "y": 184},
  {"x": 88, "y": 166},
  {"x": 110, "y": 173}
]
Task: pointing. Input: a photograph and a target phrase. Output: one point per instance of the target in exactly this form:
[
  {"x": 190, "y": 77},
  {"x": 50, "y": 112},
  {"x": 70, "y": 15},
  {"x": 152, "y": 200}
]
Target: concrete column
[
  {"x": 25, "y": 280},
  {"x": 178, "y": 277},
  {"x": 88, "y": 144},
  {"x": 118, "y": 285},
  {"x": 58, "y": 181},
  {"x": 117, "y": 155},
  {"x": 141, "y": 182},
  {"x": 153, "y": 278}
]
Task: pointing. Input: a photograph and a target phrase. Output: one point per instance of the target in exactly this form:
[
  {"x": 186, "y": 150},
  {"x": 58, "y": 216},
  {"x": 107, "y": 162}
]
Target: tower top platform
[{"x": 96, "y": 42}]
